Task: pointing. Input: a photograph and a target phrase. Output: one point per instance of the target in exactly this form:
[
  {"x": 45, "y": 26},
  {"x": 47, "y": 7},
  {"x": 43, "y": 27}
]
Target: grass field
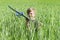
[{"x": 13, "y": 28}]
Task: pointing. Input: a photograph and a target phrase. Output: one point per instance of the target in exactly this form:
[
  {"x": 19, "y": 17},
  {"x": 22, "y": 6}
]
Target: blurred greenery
[{"x": 13, "y": 28}]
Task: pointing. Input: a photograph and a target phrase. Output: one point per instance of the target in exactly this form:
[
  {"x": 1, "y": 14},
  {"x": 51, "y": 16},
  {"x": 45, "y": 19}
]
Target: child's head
[{"x": 31, "y": 13}]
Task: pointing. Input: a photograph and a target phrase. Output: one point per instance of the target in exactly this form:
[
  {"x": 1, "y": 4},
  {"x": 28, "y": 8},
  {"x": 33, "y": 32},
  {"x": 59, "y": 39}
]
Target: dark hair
[{"x": 29, "y": 10}]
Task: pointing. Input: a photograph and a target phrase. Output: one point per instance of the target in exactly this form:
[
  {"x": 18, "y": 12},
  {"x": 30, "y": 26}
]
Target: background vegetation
[{"x": 13, "y": 28}]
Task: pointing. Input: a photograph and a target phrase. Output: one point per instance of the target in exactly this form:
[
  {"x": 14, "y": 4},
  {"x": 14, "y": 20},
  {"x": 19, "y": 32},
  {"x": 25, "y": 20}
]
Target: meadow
[{"x": 13, "y": 27}]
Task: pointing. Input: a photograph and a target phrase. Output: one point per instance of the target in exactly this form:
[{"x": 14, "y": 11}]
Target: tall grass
[{"x": 14, "y": 28}]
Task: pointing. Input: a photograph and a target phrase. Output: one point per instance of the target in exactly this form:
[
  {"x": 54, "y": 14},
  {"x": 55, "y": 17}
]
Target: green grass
[{"x": 13, "y": 28}]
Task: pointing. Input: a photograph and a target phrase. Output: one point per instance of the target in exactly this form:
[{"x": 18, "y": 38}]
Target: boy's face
[{"x": 32, "y": 15}]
